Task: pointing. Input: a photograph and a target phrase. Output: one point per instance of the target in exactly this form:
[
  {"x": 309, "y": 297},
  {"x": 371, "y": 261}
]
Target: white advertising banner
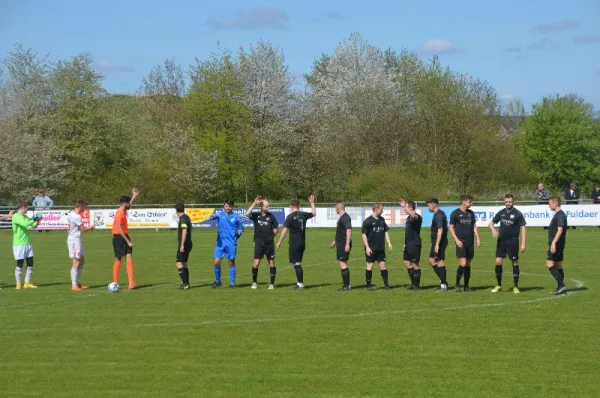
[
  {"x": 52, "y": 219},
  {"x": 137, "y": 218},
  {"x": 540, "y": 215},
  {"x": 327, "y": 217},
  {"x": 393, "y": 216}
]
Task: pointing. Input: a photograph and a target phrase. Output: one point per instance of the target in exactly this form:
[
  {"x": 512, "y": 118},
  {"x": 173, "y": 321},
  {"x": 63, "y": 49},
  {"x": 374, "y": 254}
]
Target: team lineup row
[{"x": 511, "y": 226}]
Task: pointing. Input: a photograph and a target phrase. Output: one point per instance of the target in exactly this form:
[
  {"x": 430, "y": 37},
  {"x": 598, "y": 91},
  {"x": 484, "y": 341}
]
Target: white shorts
[
  {"x": 22, "y": 252},
  {"x": 75, "y": 249}
]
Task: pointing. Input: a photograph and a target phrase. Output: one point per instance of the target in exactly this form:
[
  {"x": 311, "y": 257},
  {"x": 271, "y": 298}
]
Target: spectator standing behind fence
[
  {"x": 541, "y": 194},
  {"x": 596, "y": 194},
  {"x": 42, "y": 201},
  {"x": 572, "y": 194}
]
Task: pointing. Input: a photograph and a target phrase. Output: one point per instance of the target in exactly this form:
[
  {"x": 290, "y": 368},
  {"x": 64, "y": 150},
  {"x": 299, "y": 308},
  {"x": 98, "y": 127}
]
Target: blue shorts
[{"x": 226, "y": 250}]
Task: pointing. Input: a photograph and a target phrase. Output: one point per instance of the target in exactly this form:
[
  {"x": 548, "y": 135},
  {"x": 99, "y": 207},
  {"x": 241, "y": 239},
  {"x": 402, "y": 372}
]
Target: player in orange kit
[{"x": 122, "y": 245}]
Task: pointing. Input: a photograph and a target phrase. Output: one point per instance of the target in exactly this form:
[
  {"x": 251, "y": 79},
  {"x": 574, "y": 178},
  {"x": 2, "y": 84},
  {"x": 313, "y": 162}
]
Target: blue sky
[{"x": 524, "y": 49}]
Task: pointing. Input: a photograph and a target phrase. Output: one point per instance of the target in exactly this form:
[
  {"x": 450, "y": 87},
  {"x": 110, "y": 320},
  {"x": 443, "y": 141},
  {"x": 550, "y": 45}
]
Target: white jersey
[{"x": 74, "y": 222}]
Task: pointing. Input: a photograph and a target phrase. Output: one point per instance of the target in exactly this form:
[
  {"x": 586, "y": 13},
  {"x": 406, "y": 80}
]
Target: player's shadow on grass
[
  {"x": 54, "y": 284},
  {"x": 531, "y": 288},
  {"x": 290, "y": 285},
  {"x": 139, "y": 287},
  {"x": 576, "y": 289}
]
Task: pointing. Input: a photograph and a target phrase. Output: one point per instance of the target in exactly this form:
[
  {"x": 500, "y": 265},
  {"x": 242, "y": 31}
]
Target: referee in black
[
  {"x": 511, "y": 225},
  {"x": 184, "y": 246}
]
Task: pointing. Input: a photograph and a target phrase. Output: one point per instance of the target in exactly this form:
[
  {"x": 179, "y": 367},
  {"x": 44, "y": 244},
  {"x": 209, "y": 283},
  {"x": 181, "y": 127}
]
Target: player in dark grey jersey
[
  {"x": 295, "y": 223},
  {"x": 511, "y": 224},
  {"x": 439, "y": 242},
  {"x": 343, "y": 243},
  {"x": 374, "y": 236},
  {"x": 557, "y": 240},
  {"x": 463, "y": 228}
]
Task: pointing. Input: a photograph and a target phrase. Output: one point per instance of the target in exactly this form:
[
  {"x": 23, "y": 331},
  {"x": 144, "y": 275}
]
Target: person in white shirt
[{"x": 75, "y": 244}]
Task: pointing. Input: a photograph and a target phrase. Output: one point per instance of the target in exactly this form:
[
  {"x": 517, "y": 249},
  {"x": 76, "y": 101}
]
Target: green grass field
[{"x": 157, "y": 341}]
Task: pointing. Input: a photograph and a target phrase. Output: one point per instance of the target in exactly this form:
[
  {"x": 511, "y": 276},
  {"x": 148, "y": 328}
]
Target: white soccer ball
[{"x": 113, "y": 287}]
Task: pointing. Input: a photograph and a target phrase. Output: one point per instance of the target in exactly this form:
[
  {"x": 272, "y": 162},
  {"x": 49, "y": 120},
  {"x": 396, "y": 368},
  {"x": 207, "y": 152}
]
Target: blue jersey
[{"x": 230, "y": 228}]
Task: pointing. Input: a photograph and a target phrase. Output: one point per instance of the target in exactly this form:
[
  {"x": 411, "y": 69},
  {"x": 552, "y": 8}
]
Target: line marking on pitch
[{"x": 579, "y": 285}]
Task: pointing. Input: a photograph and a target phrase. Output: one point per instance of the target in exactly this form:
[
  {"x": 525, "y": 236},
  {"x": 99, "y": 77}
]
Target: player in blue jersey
[{"x": 230, "y": 228}]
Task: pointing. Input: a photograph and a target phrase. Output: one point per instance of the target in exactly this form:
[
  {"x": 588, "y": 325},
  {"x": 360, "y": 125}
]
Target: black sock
[
  {"x": 299, "y": 273},
  {"x": 467, "y": 275},
  {"x": 346, "y": 276},
  {"x": 384, "y": 276},
  {"x": 555, "y": 273},
  {"x": 417, "y": 277},
  {"x": 499, "y": 275},
  {"x": 436, "y": 269},
  {"x": 273, "y": 272},
  {"x": 561, "y": 278},
  {"x": 187, "y": 275},
  {"x": 516, "y": 273},
  {"x": 368, "y": 277},
  {"x": 181, "y": 272},
  {"x": 443, "y": 280},
  {"x": 411, "y": 275},
  {"x": 254, "y": 274},
  {"x": 459, "y": 274}
]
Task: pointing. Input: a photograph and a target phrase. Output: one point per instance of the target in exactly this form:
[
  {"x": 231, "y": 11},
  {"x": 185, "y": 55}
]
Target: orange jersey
[{"x": 120, "y": 219}]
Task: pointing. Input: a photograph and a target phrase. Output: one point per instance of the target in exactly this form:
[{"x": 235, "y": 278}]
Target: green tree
[{"x": 561, "y": 140}]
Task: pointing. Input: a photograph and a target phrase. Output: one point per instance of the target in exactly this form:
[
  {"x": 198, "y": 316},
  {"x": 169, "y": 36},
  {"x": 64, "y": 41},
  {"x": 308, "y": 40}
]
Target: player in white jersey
[{"x": 75, "y": 244}]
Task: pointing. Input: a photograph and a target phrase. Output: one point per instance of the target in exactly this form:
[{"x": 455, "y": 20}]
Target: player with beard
[
  {"x": 463, "y": 227},
  {"x": 512, "y": 224}
]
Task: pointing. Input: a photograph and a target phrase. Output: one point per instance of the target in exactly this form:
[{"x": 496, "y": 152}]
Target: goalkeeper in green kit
[{"x": 21, "y": 245}]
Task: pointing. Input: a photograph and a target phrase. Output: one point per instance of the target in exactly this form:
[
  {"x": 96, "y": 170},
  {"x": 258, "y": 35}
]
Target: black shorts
[
  {"x": 120, "y": 246},
  {"x": 467, "y": 251},
  {"x": 341, "y": 252},
  {"x": 296, "y": 252},
  {"x": 412, "y": 253},
  {"x": 510, "y": 249},
  {"x": 264, "y": 249},
  {"x": 182, "y": 257},
  {"x": 377, "y": 256},
  {"x": 556, "y": 257},
  {"x": 441, "y": 253}
]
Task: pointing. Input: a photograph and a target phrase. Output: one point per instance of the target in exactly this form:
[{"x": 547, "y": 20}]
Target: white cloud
[
  {"x": 108, "y": 66},
  {"x": 256, "y": 18},
  {"x": 587, "y": 39},
  {"x": 541, "y": 44},
  {"x": 437, "y": 46},
  {"x": 557, "y": 26},
  {"x": 508, "y": 97}
]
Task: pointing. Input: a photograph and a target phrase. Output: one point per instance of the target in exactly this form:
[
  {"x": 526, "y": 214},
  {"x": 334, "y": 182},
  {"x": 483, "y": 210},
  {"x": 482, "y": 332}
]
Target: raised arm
[
  {"x": 313, "y": 205},
  {"x": 134, "y": 194},
  {"x": 253, "y": 205}
]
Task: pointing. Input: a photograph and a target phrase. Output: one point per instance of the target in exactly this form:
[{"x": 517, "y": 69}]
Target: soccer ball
[{"x": 113, "y": 287}]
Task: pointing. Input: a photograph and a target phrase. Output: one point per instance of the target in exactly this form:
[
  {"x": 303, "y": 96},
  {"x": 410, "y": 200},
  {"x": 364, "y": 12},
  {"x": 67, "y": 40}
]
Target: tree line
[{"x": 366, "y": 124}]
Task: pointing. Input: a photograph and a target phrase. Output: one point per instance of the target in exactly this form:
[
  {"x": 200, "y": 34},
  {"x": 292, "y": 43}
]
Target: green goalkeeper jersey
[{"x": 20, "y": 223}]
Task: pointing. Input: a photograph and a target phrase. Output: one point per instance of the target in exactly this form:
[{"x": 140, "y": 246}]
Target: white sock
[
  {"x": 79, "y": 271},
  {"x": 74, "y": 277},
  {"x": 28, "y": 274},
  {"x": 18, "y": 272}
]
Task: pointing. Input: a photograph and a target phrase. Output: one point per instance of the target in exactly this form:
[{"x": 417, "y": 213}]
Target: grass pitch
[{"x": 157, "y": 341}]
